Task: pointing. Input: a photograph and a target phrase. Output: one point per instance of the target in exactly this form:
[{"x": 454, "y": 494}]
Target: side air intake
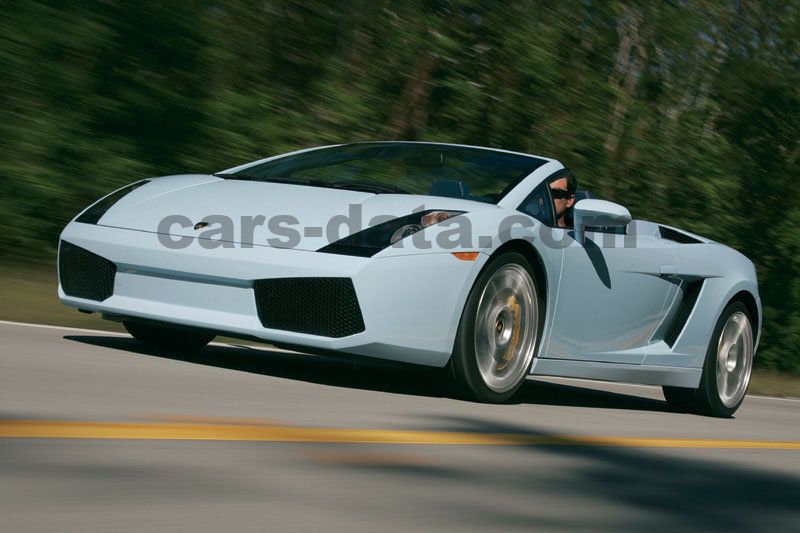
[
  {"x": 677, "y": 236},
  {"x": 690, "y": 293},
  {"x": 83, "y": 274},
  {"x": 318, "y": 306}
]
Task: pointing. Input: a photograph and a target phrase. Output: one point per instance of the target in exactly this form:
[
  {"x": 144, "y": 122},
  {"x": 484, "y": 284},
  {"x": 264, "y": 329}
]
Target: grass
[
  {"x": 770, "y": 383},
  {"x": 29, "y": 294}
]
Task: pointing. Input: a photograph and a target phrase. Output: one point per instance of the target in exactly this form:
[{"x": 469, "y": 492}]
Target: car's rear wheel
[
  {"x": 499, "y": 331},
  {"x": 727, "y": 368},
  {"x": 166, "y": 338}
]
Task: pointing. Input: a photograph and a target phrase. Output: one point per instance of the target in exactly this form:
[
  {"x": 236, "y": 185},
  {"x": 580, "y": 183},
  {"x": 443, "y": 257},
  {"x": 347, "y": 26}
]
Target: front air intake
[
  {"x": 327, "y": 307},
  {"x": 83, "y": 274}
]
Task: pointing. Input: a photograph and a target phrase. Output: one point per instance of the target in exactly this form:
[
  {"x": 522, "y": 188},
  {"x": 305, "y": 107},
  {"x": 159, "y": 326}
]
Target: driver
[{"x": 563, "y": 192}]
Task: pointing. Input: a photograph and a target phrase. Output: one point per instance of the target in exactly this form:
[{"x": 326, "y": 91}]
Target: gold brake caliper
[{"x": 516, "y": 311}]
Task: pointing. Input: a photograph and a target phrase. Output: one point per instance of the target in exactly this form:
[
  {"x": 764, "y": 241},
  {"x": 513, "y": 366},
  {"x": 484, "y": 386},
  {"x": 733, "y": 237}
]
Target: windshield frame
[{"x": 531, "y": 164}]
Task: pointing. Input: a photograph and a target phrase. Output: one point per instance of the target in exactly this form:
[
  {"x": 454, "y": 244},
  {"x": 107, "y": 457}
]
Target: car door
[{"x": 612, "y": 294}]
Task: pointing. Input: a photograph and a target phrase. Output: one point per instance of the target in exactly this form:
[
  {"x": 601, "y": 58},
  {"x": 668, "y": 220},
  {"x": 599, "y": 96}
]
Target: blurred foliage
[{"x": 686, "y": 112}]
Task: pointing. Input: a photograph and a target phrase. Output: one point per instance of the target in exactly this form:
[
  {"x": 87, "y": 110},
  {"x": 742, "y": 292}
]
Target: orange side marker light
[{"x": 466, "y": 256}]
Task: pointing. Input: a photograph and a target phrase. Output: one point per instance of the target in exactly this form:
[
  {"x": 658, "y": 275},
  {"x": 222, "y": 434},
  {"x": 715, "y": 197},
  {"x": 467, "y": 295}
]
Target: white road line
[
  {"x": 566, "y": 381},
  {"x": 60, "y": 328},
  {"x": 761, "y": 397},
  {"x": 267, "y": 348},
  {"x": 275, "y": 349},
  {"x": 119, "y": 334}
]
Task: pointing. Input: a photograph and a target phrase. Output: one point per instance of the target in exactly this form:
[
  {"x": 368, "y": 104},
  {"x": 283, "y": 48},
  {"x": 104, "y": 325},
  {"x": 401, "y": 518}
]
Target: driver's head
[{"x": 563, "y": 192}]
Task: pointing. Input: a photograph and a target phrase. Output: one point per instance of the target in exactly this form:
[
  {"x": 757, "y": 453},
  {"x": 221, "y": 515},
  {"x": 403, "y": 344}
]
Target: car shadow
[
  {"x": 608, "y": 487},
  {"x": 368, "y": 374},
  {"x": 364, "y": 375}
]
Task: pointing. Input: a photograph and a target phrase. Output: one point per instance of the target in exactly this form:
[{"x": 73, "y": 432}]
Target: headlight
[
  {"x": 372, "y": 240},
  {"x": 96, "y": 211}
]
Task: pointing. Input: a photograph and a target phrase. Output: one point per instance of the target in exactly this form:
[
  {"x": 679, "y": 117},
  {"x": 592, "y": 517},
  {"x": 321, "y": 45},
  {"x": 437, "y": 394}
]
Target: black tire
[
  {"x": 168, "y": 339},
  {"x": 706, "y": 399},
  {"x": 708, "y": 395},
  {"x": 466, "y": 377}
]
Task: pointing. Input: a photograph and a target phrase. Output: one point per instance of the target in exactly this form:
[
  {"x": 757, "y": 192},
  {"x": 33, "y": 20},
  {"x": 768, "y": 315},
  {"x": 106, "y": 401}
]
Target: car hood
[{"x": 263, "y": 213}]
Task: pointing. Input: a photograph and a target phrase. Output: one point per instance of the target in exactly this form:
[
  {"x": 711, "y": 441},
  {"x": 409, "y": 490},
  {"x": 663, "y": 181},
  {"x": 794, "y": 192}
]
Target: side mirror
[{"x": 598, "y": 213}]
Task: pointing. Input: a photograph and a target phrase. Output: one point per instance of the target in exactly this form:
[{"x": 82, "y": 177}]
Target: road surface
[{"x": 99, "y": 434}]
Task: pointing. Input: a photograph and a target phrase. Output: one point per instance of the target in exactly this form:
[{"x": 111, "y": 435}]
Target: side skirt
[{"x": 641, "y": 374}]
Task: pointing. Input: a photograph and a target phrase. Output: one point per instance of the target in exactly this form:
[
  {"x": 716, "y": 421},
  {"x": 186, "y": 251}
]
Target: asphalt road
[{"x": 99, "y": 434}]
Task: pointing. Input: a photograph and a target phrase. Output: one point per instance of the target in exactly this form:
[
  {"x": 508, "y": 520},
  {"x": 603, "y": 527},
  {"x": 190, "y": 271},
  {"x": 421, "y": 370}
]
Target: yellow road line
[{"x": 220, "y": 432}]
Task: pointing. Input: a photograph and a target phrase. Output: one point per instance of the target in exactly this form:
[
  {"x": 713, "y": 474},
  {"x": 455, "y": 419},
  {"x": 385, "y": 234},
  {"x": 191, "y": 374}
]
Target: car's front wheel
[
  {"x": 727, "y": 368},
  {"x": 499, "y": 331},
  {"x": 166, "y": 338}
]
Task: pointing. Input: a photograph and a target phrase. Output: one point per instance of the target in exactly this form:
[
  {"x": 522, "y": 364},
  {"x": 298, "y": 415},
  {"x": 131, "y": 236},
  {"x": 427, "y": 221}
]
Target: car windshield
[{"x": 395, "y": 167}]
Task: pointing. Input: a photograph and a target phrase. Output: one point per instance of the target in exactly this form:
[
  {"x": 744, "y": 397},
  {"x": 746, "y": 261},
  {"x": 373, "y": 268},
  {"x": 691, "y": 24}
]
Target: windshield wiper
[
  {"x": 238, "y": 176},
  {"x": 359, "y": 185}
]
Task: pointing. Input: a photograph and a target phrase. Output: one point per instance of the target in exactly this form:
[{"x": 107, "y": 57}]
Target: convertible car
[{"x": 487, "y": 263}]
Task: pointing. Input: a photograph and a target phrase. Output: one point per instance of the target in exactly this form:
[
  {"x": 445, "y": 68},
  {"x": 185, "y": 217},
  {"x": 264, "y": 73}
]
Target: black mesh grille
[
  {"x": 317, "y": 306},
  {"x": 690, "y": 294},
  {"x": 84, "y": 274}
]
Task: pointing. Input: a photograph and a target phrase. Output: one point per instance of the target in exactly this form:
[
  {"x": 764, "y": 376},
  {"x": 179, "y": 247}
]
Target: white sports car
[{"x": 484, "y": 261}]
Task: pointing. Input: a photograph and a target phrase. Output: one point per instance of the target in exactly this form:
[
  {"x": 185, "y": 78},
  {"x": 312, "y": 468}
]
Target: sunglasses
[{"x": 560, "y": 194}]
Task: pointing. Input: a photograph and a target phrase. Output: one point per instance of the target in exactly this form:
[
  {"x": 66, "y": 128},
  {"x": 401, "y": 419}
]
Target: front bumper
[{"x": 410, "y": 304}]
